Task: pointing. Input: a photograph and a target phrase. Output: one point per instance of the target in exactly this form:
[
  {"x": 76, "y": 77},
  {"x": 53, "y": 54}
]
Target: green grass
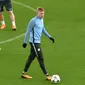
[{"x": 65, "y": 21}]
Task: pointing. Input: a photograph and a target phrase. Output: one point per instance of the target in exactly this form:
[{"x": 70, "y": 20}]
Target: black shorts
[
  {"x": 36, "y": 51},
  {"x": 7, "y": 4}
]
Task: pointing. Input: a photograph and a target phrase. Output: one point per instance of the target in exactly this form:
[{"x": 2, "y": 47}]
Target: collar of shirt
[{"x": 38, "y": 17}]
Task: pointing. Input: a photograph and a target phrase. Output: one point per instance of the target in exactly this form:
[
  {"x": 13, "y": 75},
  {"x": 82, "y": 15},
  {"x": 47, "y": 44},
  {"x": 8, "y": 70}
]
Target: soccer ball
[{"x": 55, "y": 79}]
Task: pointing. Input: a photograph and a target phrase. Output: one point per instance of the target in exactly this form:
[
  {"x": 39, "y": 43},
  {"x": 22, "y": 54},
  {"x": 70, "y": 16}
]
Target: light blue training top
[{"x": 35, "y": 29}]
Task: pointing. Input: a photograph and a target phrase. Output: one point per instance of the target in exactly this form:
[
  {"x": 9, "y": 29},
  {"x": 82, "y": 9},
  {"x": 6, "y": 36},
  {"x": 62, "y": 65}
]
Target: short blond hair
[{"x": 40, "y": 9}]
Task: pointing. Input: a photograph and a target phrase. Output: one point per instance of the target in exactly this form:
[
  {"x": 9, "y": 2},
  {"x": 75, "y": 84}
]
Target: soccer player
[
  {"x": 8, "y": 6},
  {"x": 35, "y": 30}
]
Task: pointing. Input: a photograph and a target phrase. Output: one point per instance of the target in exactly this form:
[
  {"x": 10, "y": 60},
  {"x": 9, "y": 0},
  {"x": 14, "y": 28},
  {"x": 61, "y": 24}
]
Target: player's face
[{"x": 41, "y": 14}]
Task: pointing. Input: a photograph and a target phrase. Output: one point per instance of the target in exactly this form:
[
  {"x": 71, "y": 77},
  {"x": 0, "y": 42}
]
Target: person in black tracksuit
[{"x": 35, "y": 30}]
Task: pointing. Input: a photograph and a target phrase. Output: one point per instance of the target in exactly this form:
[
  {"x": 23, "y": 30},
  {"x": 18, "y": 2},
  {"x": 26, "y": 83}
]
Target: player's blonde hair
[{"x": 40, "y": 9}]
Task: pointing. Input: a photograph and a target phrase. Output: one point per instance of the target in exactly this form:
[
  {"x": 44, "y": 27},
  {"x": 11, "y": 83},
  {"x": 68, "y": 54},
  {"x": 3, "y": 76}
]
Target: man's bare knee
[{"x": 0, "y": 13}]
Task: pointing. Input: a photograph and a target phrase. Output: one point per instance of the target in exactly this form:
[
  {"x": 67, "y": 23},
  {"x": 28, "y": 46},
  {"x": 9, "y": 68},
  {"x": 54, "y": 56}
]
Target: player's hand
[
  {"x": 52, "y": 39},
  {"x": 24, "y": 45}
]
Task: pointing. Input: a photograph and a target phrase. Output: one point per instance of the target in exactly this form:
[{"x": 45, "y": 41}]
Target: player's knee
[
  {"x": 32, "y": 57},
  {"x": 0, "y": 13},
  {"x": 41, "y": 58},
  {"x": 11, "y": 12}
]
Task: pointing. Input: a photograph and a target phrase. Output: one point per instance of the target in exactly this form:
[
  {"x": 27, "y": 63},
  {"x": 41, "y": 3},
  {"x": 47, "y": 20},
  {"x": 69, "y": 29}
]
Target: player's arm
[
  {"x": 29, "y": 28},
  {"x": 48, "y": 35}
]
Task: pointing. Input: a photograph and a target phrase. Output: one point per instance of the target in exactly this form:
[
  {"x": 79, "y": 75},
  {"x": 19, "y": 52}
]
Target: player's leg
[
  {"x": 3, "y": 25},
  {"x": 41, "y": 61},
  {"x": 12, "y": 19},
  {"x": 8, "y": 6},
  {"x": 28, "y": 63}
]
